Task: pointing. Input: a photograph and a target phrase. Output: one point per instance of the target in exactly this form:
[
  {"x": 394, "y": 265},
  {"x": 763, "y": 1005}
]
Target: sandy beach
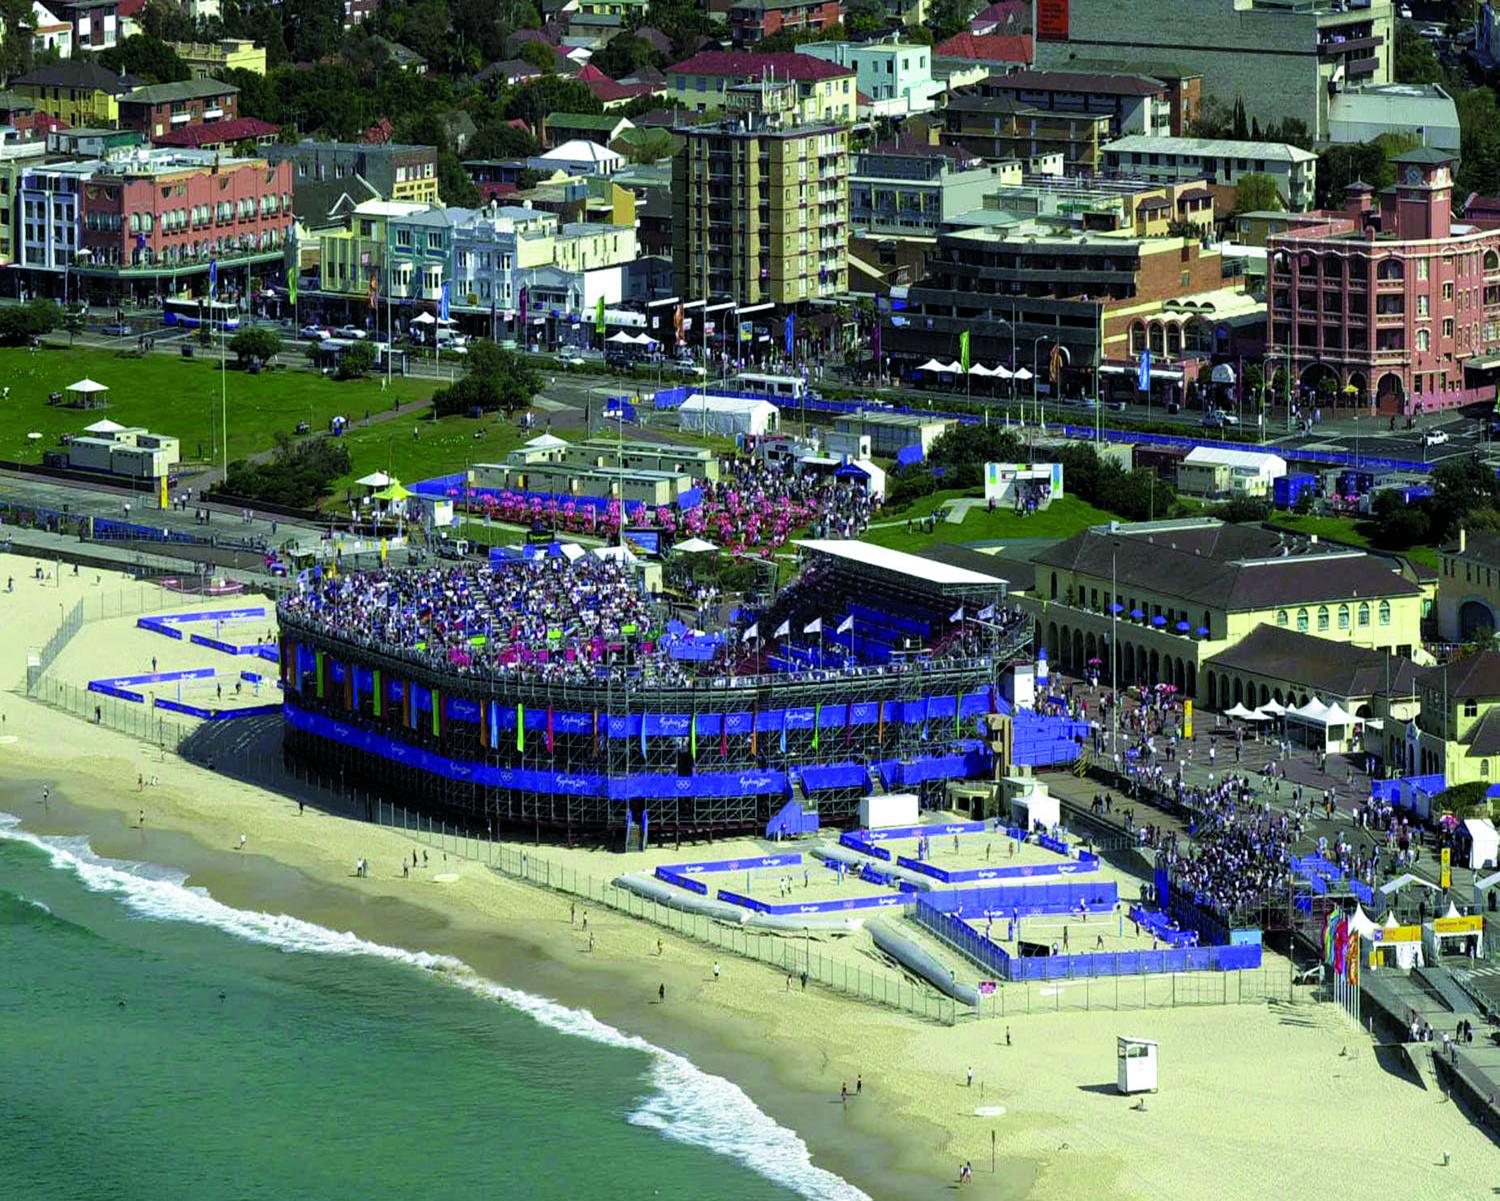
[{"x": 1250, "y": 1094}]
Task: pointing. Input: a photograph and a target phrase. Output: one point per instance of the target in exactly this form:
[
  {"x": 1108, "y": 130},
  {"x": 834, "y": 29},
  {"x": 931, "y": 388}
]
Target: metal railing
[
  {"x": 1257, "y": 986},
  {"x": 138, "y": 720}
]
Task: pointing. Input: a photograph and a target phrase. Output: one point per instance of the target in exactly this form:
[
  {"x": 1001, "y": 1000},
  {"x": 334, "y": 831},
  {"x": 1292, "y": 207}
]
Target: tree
[
  {"x": 1414, "y": 60},
  {"x": 538, "y": 98},
  {"x": 356, "y": 360},
  {"x": 313, "y": 28},
  {"x": 1256, "y": 192},
  {"x": 297, "y": 474},
  {"x": 21, "y": 323},
  {"x": 652, "y": 145},
  {"x": 255, "y": 346},
  {"x": 498, "y": 140},
  {"x": 625, "y": 54},
  {"x": 148, "y": 57},
  {"x": 494, "y": 379},
  {"x": 540, "y": 55},
  {"x": 166, "y": 22},
  {"x": 15, "y": 47}
]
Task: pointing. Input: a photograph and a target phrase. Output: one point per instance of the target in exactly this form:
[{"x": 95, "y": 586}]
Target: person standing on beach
[
  {"x": 141, "y": 821},
  {"x": 661, "y": 993},
  {"x": 244, "y": 838},
  {"x": 843, "y": 1094},
  {"x": 859, "y": 1085},
  {"x": 969, "y": 1082},
  {"x": 716, "y": 969},
  {"x": 658, "y": 948},
  {"x": 591, "y": 944}
]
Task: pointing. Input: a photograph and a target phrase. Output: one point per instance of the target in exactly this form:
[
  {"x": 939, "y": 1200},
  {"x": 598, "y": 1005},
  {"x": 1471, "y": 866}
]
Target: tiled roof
[
  {"x": 987, "y": 47},
  {"x": 79, "y": 73},
  {"x": 747, "y": 65},
  {"x": 237, "y": 130},
  {"x": 1320, "y": 665},
  {"x": 186, "y": 89},
  {"x": 1077, "y": 81},
  {"x": 1472, "y": 676}
]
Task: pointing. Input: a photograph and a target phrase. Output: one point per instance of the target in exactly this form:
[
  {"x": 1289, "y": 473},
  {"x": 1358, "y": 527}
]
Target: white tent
[
  {"x": 1485, "y": 843},
  {"x": 932, "y": 365},
  {"x": 954, "y": 368},
  {"x": 1022, "y": 373},
  {"x": 643, "y": 340},
  {"x": 1361, "y": 922},
  {"x": 622, "y": 337},
  {"x": 572, "y": 552},
  {"x": 88, "y": 387},
  {"x": 1273, "y": 707},
  {"x": 424, "y": 319},
  {"x": 727, "y": 415},
  {"x": 1002, "y": 372},
  {"x": 1314, "y": 711},
  {"x": 694, "y": 546},
  {"x": 546, "y": 442},
  {"x": 1239, "y": 713},
  {"x": 1487, "y": 893},
  {"x": 981, "y": 370},
  {"x": 1391, "y": 887},
  {"x": 105, "y": 426},
  {"x": 620, "y": 553},
  {"x": 376, "y": 479}
]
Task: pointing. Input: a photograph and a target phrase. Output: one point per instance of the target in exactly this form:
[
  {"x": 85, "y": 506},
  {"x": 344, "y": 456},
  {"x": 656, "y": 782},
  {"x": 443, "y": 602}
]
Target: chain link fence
[{"x": 1257, "y": 986}]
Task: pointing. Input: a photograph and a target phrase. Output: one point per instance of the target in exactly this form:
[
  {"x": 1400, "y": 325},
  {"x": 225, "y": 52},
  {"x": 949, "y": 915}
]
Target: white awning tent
[
  {"x": 1484, "y": 843},
  {"x": 1405, "y": 880},
  {"x": 981, "y": 370},
  {"x": 424, "y": 319},
  {"x": 572, "y": 552},
  {"x": 1240, "y": 713},
  {"x": 1395, "y": 953},
  {"x": 106, "y": 426},
  {"x": 376, "y": 479},
  {"x": 932, "y": 365},
  {"x": 695, "y": 546},
  {"x": 1273, "y": 707},
  {"x": 619, "y": 554},
  {"x": 1329, "y": 727},
  {"x": 621, "y": 338},
  {"x": 1362, "y": 923},
  {"x": 1449, "y": 941},
  {"x": 545, "y": 442},
  {"x": 1023, "y": 373},
  {"x": 88, "y": 387},
  {"x": 727, "y": 415}
]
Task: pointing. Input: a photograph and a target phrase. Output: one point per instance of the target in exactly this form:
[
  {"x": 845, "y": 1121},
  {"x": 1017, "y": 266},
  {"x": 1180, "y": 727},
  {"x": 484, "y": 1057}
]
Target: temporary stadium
[{"x": 549, "y": 692}]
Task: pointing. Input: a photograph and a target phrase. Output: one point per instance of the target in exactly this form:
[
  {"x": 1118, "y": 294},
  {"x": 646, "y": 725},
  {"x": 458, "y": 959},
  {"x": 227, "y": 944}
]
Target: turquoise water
[{"x": 157, "y": 1044}]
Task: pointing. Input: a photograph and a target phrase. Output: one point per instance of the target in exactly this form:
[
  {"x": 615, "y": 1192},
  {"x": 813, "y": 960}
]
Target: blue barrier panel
[
  {"x": 160, "y": 677},
  {"x": 943, "y": 828},
  {"x": 176, "y": 619},
  {"x": 855, "y": 843},
  {"x": 792, "y": 859},
  {"x": 252, "y": 677},
  {"x": 1044, "y": 896},
  {"x": 836, "y": 775},
  {"x": 1015, "y": 872},
  {"x": 735, "y": 898},
  {"x": 107, "y": 689},
  {"x": 680, "y": 881},
  {"x": 216, "y": 714},
  {"x": 889, "y": 901},
  {"x": 157, "y": 626}
]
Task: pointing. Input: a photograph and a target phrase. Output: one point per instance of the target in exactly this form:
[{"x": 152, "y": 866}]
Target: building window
[
  {"x": 1302, "y": 621},
  {"x": 1364, "y": 613},
  {"x": 1343, "y": 617},
  {"x": 1281, "y": 618},
  {"x": 1385, "y": 613},
  {"x": 1423, "y": 339},
  {"x": 1471, "y": 708},
  {"x": 1322, "y": 617}
]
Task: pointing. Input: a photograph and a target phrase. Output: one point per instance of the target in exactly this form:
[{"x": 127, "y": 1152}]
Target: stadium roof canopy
[{"x": 927, "y": 571}]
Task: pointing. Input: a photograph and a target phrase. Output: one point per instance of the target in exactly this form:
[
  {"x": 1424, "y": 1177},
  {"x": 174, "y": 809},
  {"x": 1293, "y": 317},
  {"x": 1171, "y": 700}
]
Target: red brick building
[
  {"x": 178, "y": 209},
  {"x": 1391, "y": 303},
  {"x": 751, "y": 20},
  {"x": 163, "y": 108}
]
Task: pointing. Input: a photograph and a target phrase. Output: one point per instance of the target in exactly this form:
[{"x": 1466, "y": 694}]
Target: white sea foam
[{"x": 689, "y": 1105}]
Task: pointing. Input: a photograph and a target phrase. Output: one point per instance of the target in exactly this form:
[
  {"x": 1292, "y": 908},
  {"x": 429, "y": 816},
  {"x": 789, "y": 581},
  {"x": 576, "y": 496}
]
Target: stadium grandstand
[{"x": 552, "y": 693}]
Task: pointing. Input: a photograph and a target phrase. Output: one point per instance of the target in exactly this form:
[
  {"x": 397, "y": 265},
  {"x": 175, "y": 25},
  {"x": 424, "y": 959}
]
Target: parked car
[
  {"x": 1434, "y": 437},
  {"x": 314, "y": 333},
  {"x": 683, "y": 367},
  {"x": 352, "y": 331},
  {"x": 116, "y": 329}
]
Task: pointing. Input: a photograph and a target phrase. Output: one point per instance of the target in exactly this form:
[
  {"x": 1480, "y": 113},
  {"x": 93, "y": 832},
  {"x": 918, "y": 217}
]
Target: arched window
[
  {"x": 1424, "y": 339},
  {"x": 1322, "y": 617},
  {"x": 1281, "y": 618},
  {"x": 1484, "y": 767},
  {"x": 1343, "y": 617},
  {"x": 1491, "y": 261},
  {"x": 1302, "y": 620},
  {"x": 1385, "y": 613},
  {"x": 1054, "y": 585},
  {"x": 1390, "y": 269},
  {"x": 1364, "y": 613}
]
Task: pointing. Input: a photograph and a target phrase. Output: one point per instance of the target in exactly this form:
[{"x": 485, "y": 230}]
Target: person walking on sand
[
  {"x": 572, "y": 913},
  {"x": 658, "y": 948},
  {"x": 591, "y": 944},
  {"x": 716, "y": 969},
  {"x": 859, "y": 1085},
  {"x": 661, "y": 993},
  {"x": 843, "y": 1094},
  {"x": 969, "y": 1082},
  {"x": 140, "y": 823},
  {"x": 244, "y": 838}
]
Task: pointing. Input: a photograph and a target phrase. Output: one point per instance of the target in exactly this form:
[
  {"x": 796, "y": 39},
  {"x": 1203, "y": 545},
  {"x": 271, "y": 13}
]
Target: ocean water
[{"x": 157, "y": 1044}]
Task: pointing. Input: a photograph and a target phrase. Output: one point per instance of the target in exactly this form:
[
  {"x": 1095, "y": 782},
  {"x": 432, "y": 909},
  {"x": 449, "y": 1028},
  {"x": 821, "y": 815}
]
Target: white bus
[
  {"x": 190, "y": 312},
  {"x": 772, "y": 387}
]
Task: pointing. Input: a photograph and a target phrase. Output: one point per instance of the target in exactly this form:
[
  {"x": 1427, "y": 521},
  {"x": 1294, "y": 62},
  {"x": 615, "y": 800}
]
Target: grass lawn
[
  {"x": 1349, "y": 530},
  {"x": 1061, "y": 519},
  {"x": 443, "y": 447},
  {"x": 177, "y": 396}
]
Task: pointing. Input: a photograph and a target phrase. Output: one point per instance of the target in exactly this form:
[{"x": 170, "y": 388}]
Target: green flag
[
  {"x": 963, "y": 351},
  {"x": 599, "y": 326},
  {"x": 291, "y": 284},
  {"x": 520, "y": 727},
  {"x": 693, "y": 738}
]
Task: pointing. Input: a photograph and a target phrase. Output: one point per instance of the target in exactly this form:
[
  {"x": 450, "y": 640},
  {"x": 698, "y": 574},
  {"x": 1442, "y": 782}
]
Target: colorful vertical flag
[
  {"x": 551, "y": 737},
  {"x": 963, "y": 351},
  {"x": 520, "y": 727},
  {"x": 377, "y": 694},
  {"x": 693, "y": 737},
  {"x": 213, "y": 278},
  {"x": 600, "y": 325},
  {"x": 444, "y": 303},
  {"x": 374, "y": 291},
  {"x": 875, "y": 338},
  {"x": 525, "y": 299},
  {"x": 291, "y": 283},
  {"x": 1143, "y": 371},
  {"x": 790, "y": 333},
  {"x": 679, "y": 326},
  {"x": 1055, "y": 362}
]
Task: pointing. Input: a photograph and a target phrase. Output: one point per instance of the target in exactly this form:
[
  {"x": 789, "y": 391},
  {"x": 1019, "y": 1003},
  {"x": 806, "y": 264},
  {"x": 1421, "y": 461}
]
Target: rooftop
[
  {"x": 186, "y": 89},
  {"x": 987, "y": 47},
  {"x": 1321, "y": 665},
  {"x": 1476, "y": 676},
  {"x": 78, "y": 73},
  {"x": 869, "y": 555},
  {"x": 237, "y": 130},
  {"x": 1102, "y": 83},
  {"x": 743, "y": 64},
  {"x": 1140, "y": 143}
]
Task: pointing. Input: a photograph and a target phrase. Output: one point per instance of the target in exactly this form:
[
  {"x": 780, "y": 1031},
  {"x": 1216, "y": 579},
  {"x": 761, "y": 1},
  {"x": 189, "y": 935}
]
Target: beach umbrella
[
  {"x": 1158, "y": 620},
  {"x": 34, "y": 436},
  {"x": 1137, "y": 614},
  {"x": 1117, "y": 607},
  {"x": 1095, "y": 661},
  {"x": 1183, "y": 627},
  {"x": 1202, "y": 631}
]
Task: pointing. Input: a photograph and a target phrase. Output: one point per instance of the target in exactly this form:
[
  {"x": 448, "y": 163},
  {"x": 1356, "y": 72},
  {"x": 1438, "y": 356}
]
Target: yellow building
[
  {"x": 78, "y": 92},
  {"x": 350, "y": 257},
  {"x": 1457, "y": 732},
  {"x": 760, "y": 203},
  {"x": 1188, "y": 589},
  {"x": 210, "y": 59},
  {"x": 1468, "y": 601},
  {"x": 820, "y": 91},
  {"x": 587, "y": 245}
]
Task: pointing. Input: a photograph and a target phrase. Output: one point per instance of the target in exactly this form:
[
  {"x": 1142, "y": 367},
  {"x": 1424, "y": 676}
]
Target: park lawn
[
  {"x": 444, "y": 447},
  {"x": 180, "y": 397},
  {"x": 1352, "y": 531},
  {"x": 1061, "y": 519}
]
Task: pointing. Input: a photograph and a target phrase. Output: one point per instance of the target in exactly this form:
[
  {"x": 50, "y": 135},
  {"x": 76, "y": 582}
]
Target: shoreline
[{"x": 884, "y": 1155}]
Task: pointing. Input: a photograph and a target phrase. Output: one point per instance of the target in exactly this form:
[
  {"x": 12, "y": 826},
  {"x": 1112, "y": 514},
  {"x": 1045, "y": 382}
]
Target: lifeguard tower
[{"x": 1136, "y": 1060}]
